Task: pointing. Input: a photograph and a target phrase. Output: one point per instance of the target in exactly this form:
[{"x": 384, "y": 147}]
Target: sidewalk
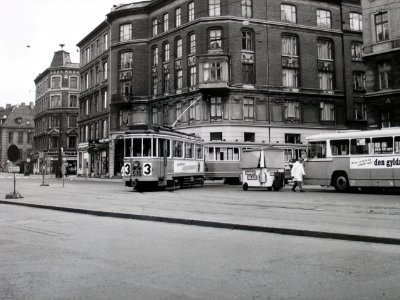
[{"x": 317, "y": 213}]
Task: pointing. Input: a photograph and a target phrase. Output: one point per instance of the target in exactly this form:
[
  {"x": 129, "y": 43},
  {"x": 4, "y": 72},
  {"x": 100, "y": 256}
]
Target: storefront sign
[{"x": 375, "y": 162}]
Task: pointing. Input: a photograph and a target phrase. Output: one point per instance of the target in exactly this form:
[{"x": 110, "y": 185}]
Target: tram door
[{"x": 163, "y": 153}]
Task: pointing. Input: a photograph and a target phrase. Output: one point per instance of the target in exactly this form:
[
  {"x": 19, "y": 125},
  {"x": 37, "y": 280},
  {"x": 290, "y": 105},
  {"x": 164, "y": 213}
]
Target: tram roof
[
  {"x": 356, "y": 134},
  {"x": 151, "y": 129}
]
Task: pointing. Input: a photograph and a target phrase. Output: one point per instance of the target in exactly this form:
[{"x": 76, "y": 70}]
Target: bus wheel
[
  {"x": 341, "y": 182},
  {"x": 245, "y": 186},
  {"x": 269, "y": 188}
]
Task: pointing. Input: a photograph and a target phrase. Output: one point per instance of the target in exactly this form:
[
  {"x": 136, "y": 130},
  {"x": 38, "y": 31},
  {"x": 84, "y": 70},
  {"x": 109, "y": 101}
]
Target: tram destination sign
[{"x": 375, "y": 162}]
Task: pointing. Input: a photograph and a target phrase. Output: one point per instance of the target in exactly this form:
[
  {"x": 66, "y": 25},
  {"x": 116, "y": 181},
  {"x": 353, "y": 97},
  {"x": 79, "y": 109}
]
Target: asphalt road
[{"x": 56, "y": 255}]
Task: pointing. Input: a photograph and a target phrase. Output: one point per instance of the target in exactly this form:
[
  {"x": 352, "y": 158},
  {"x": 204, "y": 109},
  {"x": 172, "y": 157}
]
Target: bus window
[
  {"x": 164, "y": 147},
  {"x": 146, "y": 147},
  {"x": 340, "y": 147},
  {"x": 136, "y": 147},
  {"x": 128, "y": 147},
  {"x": 199, "y": 151},
  {"x": 177, "y": 148},
  {"x": 188, "y": 150},
  {"x": 382, "y": 145},
  {"x": 317, "y": 149},
  {"x": 360, "y": 146},
  {"x": 211, "y": 153},
  {"x": 397, "y": 144}
]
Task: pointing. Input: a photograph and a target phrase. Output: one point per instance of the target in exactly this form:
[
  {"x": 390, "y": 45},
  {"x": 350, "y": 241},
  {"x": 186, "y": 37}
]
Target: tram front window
[
  {"x": 128, "y": 146},
  {"x": 178, "y": 149},
  {"x": 136, "y": 147}
]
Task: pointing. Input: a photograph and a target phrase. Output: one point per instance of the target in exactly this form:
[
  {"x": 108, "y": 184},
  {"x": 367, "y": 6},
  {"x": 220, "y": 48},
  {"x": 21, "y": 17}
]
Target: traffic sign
[
  {"x": 13, "y": 153},
  {"x": 14, "y": 169}
]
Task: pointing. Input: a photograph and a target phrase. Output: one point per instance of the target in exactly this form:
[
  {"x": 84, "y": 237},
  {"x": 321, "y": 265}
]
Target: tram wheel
[
  {"x": 341, "y": 182},
  {"x": 245, "y": 186}
]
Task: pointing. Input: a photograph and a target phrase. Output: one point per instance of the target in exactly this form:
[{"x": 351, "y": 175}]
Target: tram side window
[
  {"x": 397, "y": 144},
  {"x": 340, "y": 147},
  {"x": 146, "y": 147},
  {"x": 317, "y": 149},
  {"x": 360, "y": 146},
  {"x": 382, "y": 145},
  {"x": 164, "y": 146},
  {"x": 288, "y": 155},
  {"x": 137, "y": 147},
  {"x": 128, "y": 146},
  {"x": 189, "y": 150},
  {"x": 199, "y": 151},
  {"x": 177, "y": 148},
  {"x": 211, "y": 153}
]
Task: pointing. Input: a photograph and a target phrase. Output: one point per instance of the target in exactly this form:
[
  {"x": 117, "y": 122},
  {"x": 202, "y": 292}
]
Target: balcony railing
[{"x": 382, "y": 46}]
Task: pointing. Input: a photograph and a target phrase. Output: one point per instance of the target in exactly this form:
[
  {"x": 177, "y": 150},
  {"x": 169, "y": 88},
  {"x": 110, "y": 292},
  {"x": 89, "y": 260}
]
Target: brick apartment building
[
  {"x": 253, "y": 71},
  {"x": 382, "y": 61},
  {"x": 56, "y": 115},
  {"x": 16, "y": 128}
]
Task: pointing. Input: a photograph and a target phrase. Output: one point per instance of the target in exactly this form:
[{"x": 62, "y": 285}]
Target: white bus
[{"x": 354, "y": 159}]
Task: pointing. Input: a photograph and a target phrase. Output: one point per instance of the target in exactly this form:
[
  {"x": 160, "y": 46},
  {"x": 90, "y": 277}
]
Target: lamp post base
[{"x": 14, "y": 196}]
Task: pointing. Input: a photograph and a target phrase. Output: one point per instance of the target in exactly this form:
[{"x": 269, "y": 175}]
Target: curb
[{"x": 275, "y": 230}]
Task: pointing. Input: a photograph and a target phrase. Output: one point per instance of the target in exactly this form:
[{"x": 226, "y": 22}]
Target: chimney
[
  {"x": 8, "y": 105},
  {"x": 31, "y": 105},
  {"x": 22, "y": 103}
]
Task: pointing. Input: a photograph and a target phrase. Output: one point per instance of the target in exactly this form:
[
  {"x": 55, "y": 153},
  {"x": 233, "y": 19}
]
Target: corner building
[
  {"x": 382, "y": 61},
  {"x": 252, "y": 71}
]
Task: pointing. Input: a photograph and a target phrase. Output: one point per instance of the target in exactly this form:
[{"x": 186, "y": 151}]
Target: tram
[
  {"x": 162, "y": 157},
  {"x": 223, "y": 158}
]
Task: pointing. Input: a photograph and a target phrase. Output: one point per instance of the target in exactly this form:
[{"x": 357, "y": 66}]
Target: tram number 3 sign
[{"x": 147, "y": 169}]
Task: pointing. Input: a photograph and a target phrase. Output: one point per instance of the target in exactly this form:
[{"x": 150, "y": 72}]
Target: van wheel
[
  {"x": 341, "y": 182},
  {"x": 245, "y": 186}
]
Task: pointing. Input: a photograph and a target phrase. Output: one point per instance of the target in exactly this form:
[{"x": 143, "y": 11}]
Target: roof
[
  {"x": 20, "y": 117},
  {"x": 356, "y": 134}
]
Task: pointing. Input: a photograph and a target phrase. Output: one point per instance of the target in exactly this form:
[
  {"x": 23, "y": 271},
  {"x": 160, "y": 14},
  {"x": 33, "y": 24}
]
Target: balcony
[
  {"x": 380, "y": 47},
  {"x": 126, "y": 98}
]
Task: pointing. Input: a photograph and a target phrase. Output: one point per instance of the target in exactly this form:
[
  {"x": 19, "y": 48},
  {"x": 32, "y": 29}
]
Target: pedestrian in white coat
[{"x": 297, "y": 174}]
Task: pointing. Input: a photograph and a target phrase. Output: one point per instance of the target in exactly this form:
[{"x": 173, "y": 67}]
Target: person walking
[{"x": 297, "y": 174}]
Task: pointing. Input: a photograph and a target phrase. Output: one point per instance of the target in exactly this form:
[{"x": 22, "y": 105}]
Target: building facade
[
  {"x": 17, "y": 128},
  {"x": 382, "y": 61},
  {"x": 252, "y": 71},
  {"x": 56, "y": 116}
]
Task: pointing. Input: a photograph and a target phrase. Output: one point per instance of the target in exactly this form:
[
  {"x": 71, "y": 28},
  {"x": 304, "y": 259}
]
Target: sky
[{"x": 32, "y": 30}]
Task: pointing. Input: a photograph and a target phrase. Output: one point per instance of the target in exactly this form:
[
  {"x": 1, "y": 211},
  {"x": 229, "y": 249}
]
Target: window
[
  {"x": 126, "y": 88},
  {"x": 166, "y": 52},
  {"x": 189, "y": 148},
  {"x": 356, "y": 21},
  {"x": 384, "y": 75},
  {"x": 289, "y": 77},
  {"x": 155, "y": 56},
  {"x": 105, "y": 129},
  {"x": 325, "y": 80},
  {"x": 178, "y": 79},
  {"x": 212, "y": 71},
  {"x": 125, "y": 32},
  {"x": 248, "y": 108},
  {"x": 214, "y": 8},
  {"x": 382, "y": 145},
  {"x": 72, "y": 142},
  {"x": 20, "y": 137},
  {"x": 289, "y": 45},
  {"x": 87, "y": 55},
  {"x": 327, "y": 111},
  {"x": 154, "y": 113},
  {"x": 339, "y": 147},
  {"x": 192, "y": 43},
  {"x": 105, "y": 41},
  {"x": 178, "y": 48},
  {"x": 191, "y": 11},
  {"x": 215, "y": 39},
  {"x": 177, "y": 149},
  {"x": 292, "y": 138},
  {"x": 154, "y": 27},
  {"x": 382, "y": 27},
  {"x": 192, "y": 109},
  {"x": 247, "y": 9},
  {"x": 215, "y": 136},
  {"x": 166, "y": 81},
  {"x": 199, "y": 151},
  {"x": 292, "y": 109},
  {"x": 324, "y": 48},
  {"x": 288, "y": 13},
  {"x": 55, "y": 101},
  {"x": 73, "y": 101},
  {"x": 55, "y": 121},
  {"x": 323, "y": 18},
  {"x": 73, "y": 82},
  {"x": 386, "y": 119},
  {"x": 154, "y": 85},
  {"x": 248, "y": 73},
  {"x": 360, "y": 146},
  {"x": 216, "y": 108},
  {"x": 178, "y": 17},
  {"x": 247, "y": 40},
  {"x": 126, "y": 60},
  {"x": 358, "y": 81},
  {"x": 360, "y": 111},
  {"x": 105, "y": 70},
  {"x": 317, "y": 149},
  {"x": 104, "y": 99},
  {"x": 249, "y": 137},
  {"x": 72, "y": 121},
  {"x": 56, "y": 82},
  {"x": 165, "y": 22},
  {"x": 178, "y": 109},
  {"x": 356, "y": 51},
  {"x": 10, "y": 137}
]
